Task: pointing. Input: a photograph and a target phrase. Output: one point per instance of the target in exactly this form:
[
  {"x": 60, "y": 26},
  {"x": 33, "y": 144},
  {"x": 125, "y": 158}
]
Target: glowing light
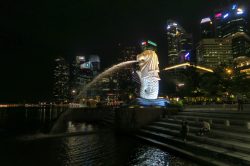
[
  {"x": 239, "y": 11},
  {"x": 175, "y": 24},
  {"x": 203, "y": 68},
  {"x": 234, "y": 7},
  {"x": 152, "y": 43},
  {"x": 229, "y": 71},
  {"x": 176, "y": 66},
  {"x": 168, "y": 27},
  {"x": 218, "y": 15},
  {"x": 143, "y": 43},
  {"x": 187, "y": 55},
  {"x": 204, "y": 20},
  {"x": 180, "y": 84},
  {"x": 226, "y": 15},
  {"x": 188, "y": 64}
]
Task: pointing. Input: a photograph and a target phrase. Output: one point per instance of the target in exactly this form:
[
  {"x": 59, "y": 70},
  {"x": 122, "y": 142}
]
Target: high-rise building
[
  {"x": 180, "y": 43},
  {"x": 125, "y": 84},
  {"x": 233, "y": 25},
  {"x": 217, "y": 17},
  {"x": 207, "y": 28},
  {"x": 185, "y": 47},
  {"x": 61, "y": 80},
  {"x": 95, "y": 62},
  {"x": 84, "y": 70},
  {"x": 243, "y": 65},
  {"x": 213, "y": 52}
]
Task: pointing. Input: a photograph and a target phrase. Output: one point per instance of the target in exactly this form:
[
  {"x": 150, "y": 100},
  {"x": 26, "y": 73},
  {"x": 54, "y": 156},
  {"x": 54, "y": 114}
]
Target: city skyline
[{"x": 34, "y": 34}]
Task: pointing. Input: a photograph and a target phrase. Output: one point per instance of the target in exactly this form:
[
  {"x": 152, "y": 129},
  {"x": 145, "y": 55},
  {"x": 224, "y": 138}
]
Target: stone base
[{"x": 152, "y": 102}]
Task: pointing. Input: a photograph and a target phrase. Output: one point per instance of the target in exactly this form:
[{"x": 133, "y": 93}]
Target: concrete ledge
[{"x": 130, "y": 120}]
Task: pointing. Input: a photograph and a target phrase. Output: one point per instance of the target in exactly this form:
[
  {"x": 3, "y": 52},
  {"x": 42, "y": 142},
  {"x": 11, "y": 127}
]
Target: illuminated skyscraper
[
  {"x": 61, "y": 80},
  {"x": 207, "y": 28},
  {"x": 213, "y": 52},
  {"x": 233, "y": 25},
  {"x": 84, "y": 69},
  {"x": 180, "y": 43},
  {"x": 185, "y": 47},
  {"x": 95, "y": 61}
]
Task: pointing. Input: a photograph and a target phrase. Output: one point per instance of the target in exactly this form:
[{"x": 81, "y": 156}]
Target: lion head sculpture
[
  {"x": 148, "y": 63},
  {"x": 148, "y": 74}
]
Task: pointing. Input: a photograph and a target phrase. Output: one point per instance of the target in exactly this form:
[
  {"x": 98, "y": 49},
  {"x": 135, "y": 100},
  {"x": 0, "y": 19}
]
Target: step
[
  {"x": 217, "y": 111},
  {"x": 215, "y": 132},
  {"x": 236, "y": 129},
  {"x": 200, "y": 159},
  {"x": 236, "y": 115},
  {"x": 203, "y": 149},
  {"x": 215, "y": 108},
  {"x": 230, "y": 145},
  {"x": 231, "y": 122}
]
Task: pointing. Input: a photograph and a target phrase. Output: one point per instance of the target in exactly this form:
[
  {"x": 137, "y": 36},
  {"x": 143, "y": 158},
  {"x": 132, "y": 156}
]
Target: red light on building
[{"x": 218, "y": 15}]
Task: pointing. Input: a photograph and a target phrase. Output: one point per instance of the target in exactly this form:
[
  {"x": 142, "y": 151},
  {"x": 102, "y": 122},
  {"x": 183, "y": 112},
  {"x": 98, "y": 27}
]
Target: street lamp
[{"x": 229, "y": 71}]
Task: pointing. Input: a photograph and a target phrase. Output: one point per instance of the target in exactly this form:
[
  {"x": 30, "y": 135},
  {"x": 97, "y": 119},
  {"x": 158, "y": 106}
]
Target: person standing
[
  {"x": 184, "y": 130},
  {"x": 240, "y": 103}
]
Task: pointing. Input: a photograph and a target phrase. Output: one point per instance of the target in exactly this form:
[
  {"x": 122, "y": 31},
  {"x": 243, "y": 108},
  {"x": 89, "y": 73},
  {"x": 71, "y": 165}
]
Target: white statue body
[{"x": 148, "y": 74}]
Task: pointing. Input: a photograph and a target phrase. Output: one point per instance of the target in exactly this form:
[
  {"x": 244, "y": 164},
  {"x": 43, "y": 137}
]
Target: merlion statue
[{"x": 148, "y": 74}]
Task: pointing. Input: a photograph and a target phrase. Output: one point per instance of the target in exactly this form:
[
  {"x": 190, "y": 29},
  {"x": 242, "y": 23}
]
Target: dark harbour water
[{"x": 25, "y": 141}]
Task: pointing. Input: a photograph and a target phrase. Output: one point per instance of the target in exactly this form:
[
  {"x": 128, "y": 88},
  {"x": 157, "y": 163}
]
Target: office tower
[
  {"x": 232, "y": 25},
  {"x": 213, "y": 52},
  {"x": 61, "y": 80},
  {"x": 179, "y": 43},
  {"x": 207, "y": 29}
]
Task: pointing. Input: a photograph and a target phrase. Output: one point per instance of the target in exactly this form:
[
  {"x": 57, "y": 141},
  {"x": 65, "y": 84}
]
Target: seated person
[{"x": 205, "y": 128}]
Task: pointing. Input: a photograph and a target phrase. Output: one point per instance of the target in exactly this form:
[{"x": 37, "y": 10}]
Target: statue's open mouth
[{"x": 141, "y": 61}]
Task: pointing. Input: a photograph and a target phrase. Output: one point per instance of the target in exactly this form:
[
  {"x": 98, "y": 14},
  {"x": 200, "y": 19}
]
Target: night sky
[{"x": 34, "y": 33}]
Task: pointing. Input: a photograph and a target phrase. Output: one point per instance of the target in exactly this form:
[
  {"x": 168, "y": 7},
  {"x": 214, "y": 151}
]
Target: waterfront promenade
[{"x": 227, "y": 143}]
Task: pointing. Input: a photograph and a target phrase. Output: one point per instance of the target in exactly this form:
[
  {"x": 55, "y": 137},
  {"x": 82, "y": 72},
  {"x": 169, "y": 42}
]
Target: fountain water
[
  {"x": 104, "y": 74},
  {"x": 148, "y": 74}
]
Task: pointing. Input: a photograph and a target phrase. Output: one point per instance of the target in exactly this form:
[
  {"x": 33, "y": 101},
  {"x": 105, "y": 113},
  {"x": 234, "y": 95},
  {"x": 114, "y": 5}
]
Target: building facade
[
  {"x": 213, "y": 52},
  {"x": 179, "y": 43},
  {"x": 207, "y": 28},
  {"x": 231, "y": 23},
  {"x": 84, "y": 69},
  {"x": 61, "y": 80}
]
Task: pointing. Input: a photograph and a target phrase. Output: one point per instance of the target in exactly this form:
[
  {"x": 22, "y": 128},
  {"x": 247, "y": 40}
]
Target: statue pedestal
[{"x": 152, "y": 102}]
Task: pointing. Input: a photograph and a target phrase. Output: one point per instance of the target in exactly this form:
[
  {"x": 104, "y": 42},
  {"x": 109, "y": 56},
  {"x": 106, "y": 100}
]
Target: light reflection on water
[
  {"x": 76, "y": 127},
  {"x": 98, "y": 146},
  {"x": 150, "y": 156},
  {"x": 105, "y": 148}
]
